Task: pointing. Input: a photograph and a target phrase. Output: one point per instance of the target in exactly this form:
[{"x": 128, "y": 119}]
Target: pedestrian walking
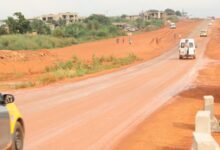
[
  {"x": 117, "y": 40},
  {"x": 174, "y": 35},
  {"x": 157, "y": 41},
  {"x": 123, "y": 40},
  {"x": 130, "y": 38}
]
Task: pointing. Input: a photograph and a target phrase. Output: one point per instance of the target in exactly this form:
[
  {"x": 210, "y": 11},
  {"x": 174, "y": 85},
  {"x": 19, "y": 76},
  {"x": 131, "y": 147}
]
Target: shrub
[
  {"x": 100, "y": 19},
  {"x": 28, "y": 42},
  {"x": 40, "y": 27},
  {"x": 76, "y": 67},
  {"x": 3, "y": 30},
  {"x": 58, "y": 32},
  {"x": 157, "y": 22},
  {"x": 93, "y": 28}
]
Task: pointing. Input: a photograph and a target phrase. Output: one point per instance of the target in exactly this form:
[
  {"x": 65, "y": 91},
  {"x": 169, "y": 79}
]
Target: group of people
[{"x": 122, "y": 40}]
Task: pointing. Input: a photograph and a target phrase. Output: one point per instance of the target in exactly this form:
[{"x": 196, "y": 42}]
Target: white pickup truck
[{"x": 187, "y": 48}]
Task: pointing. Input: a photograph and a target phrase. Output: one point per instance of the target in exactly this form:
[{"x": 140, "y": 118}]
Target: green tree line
[{"x": 94, "y": 27}]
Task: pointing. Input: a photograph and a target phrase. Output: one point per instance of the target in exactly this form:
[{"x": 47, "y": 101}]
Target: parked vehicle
[
  {"x": 131, "y": 29},
  {"x": 172, "y": 25},
  {"x": 11, "y": 124},
  {"x": 203, "y": 33},
  {"x": 187, "y": 48}
]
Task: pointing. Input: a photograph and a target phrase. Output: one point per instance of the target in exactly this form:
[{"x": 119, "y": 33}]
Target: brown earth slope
[{"x": 145, "y": 45}]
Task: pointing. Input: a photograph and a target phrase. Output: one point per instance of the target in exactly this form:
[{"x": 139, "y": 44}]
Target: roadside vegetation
[
  {"x": 92, "y": 28},
  {"x": 77, "y": 68},
  {"x": 149, "y": 25},
  {"x": 30, "y": 42},
  {"x": 19, "y": 33},
  {"x": 74, "y": 68}
]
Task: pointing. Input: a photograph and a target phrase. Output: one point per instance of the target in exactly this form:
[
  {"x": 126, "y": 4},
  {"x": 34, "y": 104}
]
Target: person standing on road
[
  {"x": 129, "y": 38},
  {"x": 123, "y": 40},
  {"x": 174, "y": 35},
  {"x": 157, "y": 41},
  {"x": 117, "y": 40}
]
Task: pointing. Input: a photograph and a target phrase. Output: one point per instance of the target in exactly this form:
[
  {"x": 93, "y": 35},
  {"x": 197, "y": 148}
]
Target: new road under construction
[{"x": 155, "y": 103}]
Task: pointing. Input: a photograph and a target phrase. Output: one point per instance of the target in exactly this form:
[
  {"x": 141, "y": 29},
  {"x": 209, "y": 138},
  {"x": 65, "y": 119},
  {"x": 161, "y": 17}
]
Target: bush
[
  {"x": 3, "y": 30},
  {"x": 76, "y": 67},
  {"x": 58, "y": 32},
  {"x": 76, "y": 30},
  {"x": 100, "y": 19},
  {"x": 158, "y": 23},
  {"x": 93, "y": 28},
  {"x": 40, "y": 27},
  {"x": 142, "y": 24},
  {"x": 28, "y": 42}
]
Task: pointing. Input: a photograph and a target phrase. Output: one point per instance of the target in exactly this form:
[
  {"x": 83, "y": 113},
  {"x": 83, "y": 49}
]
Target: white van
[
  {"x": 187, "y": 48},
  {"x": 203, "y": 33}
]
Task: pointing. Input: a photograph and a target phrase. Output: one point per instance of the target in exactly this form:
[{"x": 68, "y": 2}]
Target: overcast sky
[{"x": 31, "y": 8}]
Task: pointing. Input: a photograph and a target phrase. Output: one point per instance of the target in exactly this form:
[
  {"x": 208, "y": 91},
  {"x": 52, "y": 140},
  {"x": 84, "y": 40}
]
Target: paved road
[{"x": 97, "y": 112}]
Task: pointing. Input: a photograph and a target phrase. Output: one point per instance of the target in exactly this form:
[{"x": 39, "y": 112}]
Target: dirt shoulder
[{"x": 171, "y": 127}]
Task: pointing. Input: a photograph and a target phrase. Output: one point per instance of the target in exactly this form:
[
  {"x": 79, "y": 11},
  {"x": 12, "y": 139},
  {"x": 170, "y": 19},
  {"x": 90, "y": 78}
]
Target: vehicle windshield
[
  {"x": 184, "y": 45},
  {"x": 191, "y": 45}
]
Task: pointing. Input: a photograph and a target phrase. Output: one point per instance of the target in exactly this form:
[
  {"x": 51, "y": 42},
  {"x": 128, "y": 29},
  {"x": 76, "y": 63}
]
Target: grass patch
[
  {"x": 77, "y": 68},
  {"x": 72, "y": 68},
  {"x": 54, "y": 76},
  {"x": 23, "y": 85},
  {"x": 30, "y": 42},
  {"x": 15, "y": 86}
]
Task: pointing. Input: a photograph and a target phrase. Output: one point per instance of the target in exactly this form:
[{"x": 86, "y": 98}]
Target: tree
[
  {"x": 12, "y": 25},
  {"x": 3, "y": 30},
  {"x": 61, "y": 22},
  {"x": 75, "y": 30},
  {"x": 101, "y": 19},
  {"x": 141, "y": 24},
  {"x": 18, "y": 24},
  {"x": 40, "y": 27},
  {"x": 93, "y": 25},
  {"x": 58, "y": 32},
  {"x": 178, "y": 13},
  {"x": 23, "y": 25},
  {"x": 170, "y": 12},
  {"x": 123, "y": 16}
]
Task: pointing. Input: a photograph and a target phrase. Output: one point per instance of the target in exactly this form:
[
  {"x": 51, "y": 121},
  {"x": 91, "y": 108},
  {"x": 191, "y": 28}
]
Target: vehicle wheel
[{"x": 18, "y": 138}]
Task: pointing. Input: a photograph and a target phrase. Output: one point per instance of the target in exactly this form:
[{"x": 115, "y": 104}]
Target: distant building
[
  {"x": 147, "y": 15},
  {"x": 132, "y": 17},
  {"x": 68, "y": 17},
  {"x": 152, "y": 14}
]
